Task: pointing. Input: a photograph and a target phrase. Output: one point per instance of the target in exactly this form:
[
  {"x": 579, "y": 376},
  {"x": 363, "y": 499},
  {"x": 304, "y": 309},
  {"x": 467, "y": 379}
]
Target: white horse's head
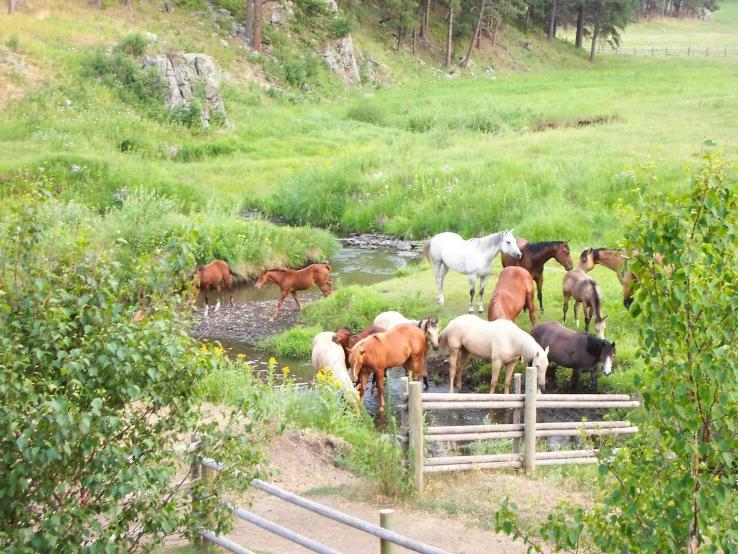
[
  {"x": 510, "y": 246},
  {"x": 540, "y": 362}
]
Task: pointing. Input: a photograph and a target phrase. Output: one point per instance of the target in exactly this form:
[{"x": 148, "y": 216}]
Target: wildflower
[
  {"x": 286, "y": 370},
  {"x": 272, "y": 360}
]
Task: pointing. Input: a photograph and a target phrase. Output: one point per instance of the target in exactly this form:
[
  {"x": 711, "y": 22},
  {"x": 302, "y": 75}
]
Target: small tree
[{"x": 672, "y": 488}]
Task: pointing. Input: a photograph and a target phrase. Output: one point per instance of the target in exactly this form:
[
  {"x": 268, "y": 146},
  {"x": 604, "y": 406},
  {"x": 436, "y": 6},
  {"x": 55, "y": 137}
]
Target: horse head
[
  {"x": 540, "y": 362},
  {"x": 263, "y": 279},
  {"x": 510, "y": 246},
  {"x": 563, "y": 255},
  {"x": 607, "y": 357},
  {"x": 342, "y": 336},
  {"x": 586, "y": 259},
  {"x": 432, "y": 332}
]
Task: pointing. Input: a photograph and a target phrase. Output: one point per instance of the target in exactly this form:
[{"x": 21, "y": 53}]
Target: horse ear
[
  {"x": 604, "y": 318},
  {"x": 546, "y": 351}
]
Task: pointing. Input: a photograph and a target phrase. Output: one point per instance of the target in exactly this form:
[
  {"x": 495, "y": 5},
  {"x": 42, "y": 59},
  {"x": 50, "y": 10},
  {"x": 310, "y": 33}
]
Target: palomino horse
[
  {"x": 212, "y": 275},
  {"x": 387, "y": 320},
  {"x": 290, "y": 281},
  {"x": 471, "y": 257},
  {"x": 535, "y": 255},
  {"x": 579, "y": 351},
  {"x": 403, "y": 345},
  {"x": 585, "y": 290},
  {"x": 513, "y": 293},
  {"x": 501, "y": 341},
  {"x": 327, "y": 354}
]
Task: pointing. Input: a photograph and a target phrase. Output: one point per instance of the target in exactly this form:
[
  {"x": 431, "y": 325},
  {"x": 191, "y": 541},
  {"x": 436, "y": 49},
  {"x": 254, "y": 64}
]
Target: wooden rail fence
[
  {"x": 384, "y": 532},
  {"x": 414, "y": 436},
  {"x": 672, "y": 51}
]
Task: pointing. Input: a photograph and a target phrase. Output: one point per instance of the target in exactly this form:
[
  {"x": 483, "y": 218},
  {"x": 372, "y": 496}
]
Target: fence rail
[
  {"x": 413, "y": 435},
  {"x": 671, "y": 51},
  {"x": 386, "y": 535}
]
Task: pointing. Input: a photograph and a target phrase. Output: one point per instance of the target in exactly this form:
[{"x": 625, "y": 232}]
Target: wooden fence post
[
  {"x": 417, "y": 449},
  {"x": 404, "y": 428},
  {"x": 386, "y": 521},
  {"x": 531, "y": 390},
  {"x": 517, "y": 389}
]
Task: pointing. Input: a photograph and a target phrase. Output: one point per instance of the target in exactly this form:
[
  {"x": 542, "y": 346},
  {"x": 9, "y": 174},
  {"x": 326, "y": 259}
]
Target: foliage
[
  {"x": 98, "y": 380},
  {"x": 685, "y": 307},
  {"x": 340, "y": 27},
  {"x": 132, "y": 45}
]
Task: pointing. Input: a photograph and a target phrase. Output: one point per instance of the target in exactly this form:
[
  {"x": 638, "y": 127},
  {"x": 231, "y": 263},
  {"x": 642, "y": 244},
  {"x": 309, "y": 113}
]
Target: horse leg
[
  {"x": 362, "y": 383},
  {"x": 587, "y": 309},
  {"x": 594, "y": 373},
  {"x": 472, "y": 279},
  {"x": 575, "y": 372},
  {"x": 219, "y": 293},
  {"x": 282, "y": 296},
  {"x": 509, "y": 371},
  {"x": 380, "y": 388},
  {"x": 539, "y": 288},
  {"x": 496, "y": 366},
  {"x": 482, "y": 283},
  {"x": 440, "y": 269},
  {"x": 531, "y": 306},
  {"x": 566, "y": 304},
  {"x": 452, "y": 357},
  {"x": 463, "y": 356},
  {"x": 576, "y": 312},
  {"x": 294, "y": 295},
  {"x": 229, "y": 283},
  {"x": 205, "y": 294}
]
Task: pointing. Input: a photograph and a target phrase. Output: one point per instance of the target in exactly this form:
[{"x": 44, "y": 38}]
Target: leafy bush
[
  {"x": 99, "y": 379},
  {"x": 190, "y": 4},
  {"x": 133, "y": 45},
  {"x": 340, "y": 27},
  {"x": 687, "y": 444},
  {"x": 367, "y": 113}
]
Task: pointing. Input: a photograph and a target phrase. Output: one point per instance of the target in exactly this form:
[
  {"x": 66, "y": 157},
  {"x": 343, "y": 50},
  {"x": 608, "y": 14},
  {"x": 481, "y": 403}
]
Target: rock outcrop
[
  {"x": 339, "y": 55},
  {"x": 190, "y": 77}
]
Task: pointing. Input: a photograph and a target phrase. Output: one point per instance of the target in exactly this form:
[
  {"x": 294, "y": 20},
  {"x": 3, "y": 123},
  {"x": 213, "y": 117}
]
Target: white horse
[
  {"x": 471, "y": 257},
  {"x": 328, "y": 354},
  {"x": 500, "y": 341},
  {"x": 387, "y": 320}
]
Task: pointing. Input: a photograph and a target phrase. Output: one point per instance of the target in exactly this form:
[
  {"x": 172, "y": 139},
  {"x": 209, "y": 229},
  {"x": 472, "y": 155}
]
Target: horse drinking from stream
[
  {"x": 471, "y": 257},
  {"x": 501, "y": 341},
  {"x": 212, "y": 275},
  {"x": 535, "y": 255},
  {"x": 290, "y": 281}
]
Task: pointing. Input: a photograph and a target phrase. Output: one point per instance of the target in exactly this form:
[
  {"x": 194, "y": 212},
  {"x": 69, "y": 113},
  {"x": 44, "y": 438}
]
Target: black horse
[{"x": 578, "y": 351}]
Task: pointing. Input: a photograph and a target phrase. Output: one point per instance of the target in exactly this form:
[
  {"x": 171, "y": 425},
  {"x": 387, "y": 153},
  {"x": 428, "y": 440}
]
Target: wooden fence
[
  {"x": 672, "y": 51},
  {"x": 414, "y": 435},
  {"x": 387, "y": 537}
]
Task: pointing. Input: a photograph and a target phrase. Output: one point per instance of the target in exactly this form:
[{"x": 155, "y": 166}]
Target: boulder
[
  {"x": 282, "y": 13},
  {"x": 339, "y": 55},
  {"x": 184, "y": 74}
]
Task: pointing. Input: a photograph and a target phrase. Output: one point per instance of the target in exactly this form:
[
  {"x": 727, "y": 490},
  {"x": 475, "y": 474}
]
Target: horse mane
[
  {"x": 539, "y": 246},
  {"x": 594, "y": 345}
]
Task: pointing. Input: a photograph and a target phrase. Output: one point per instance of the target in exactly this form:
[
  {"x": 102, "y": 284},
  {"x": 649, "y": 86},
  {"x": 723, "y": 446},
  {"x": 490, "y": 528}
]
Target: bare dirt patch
[{"x": 550, "y": 124}]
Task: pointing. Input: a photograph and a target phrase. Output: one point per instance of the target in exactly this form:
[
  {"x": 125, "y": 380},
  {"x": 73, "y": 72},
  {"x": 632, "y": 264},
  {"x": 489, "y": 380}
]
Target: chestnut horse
[
  {"x": 535, "y": 255},
  {"x": 403, "y": 345},
  {"x": 347, "y": 340},
  {"x": 513, "y": 293},
  {"x": 212, "y": 275},
  {"x": 585, "y": 290},
  {"x": 290, "y": 281}
]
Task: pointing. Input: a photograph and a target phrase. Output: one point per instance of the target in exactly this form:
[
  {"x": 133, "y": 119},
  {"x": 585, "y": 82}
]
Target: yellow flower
[
  {"x": 272, "y": 361},
  {"x": 286, "y": 370}
]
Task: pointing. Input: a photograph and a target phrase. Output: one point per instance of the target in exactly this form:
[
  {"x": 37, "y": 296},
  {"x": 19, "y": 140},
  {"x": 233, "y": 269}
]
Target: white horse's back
[
  {"x": 387, "y": 320},
  {"x": 328, "y": 354},
  {"x": 501, "y": 338}
]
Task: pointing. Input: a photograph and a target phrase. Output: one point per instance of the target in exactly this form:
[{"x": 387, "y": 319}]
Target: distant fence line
[{"x": 669, "y": 51}]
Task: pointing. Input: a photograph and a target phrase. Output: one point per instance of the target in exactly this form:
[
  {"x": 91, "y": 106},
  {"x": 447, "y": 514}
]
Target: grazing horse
[
  {"x": 387, "y": 320},
  {"x": 471, "y": 257},
  {"x": 327, "y": 354},
  {"x": 501, "y": 341},
  {"x": 578, "y": 351},
  {"x": 403, "y": 345},
  {"x": 347, "y": 340},
  {"x": 585, "y": 290},
  {"x": 535, "y": 255},
  {"x": 290, "y": 281},
  {"x": 212, "y": 275},
  {"x": 513, "y": 293}
]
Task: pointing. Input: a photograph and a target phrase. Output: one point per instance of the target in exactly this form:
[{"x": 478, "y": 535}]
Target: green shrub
[
  {"x": 293, "y": 343},
  {"x": 367, "y": 113},
  {"x": 340, "y": 27},
  {"x": 132, "y": 45},
  {"x": 190, "y": 4},
  {"x": 13, "y": 43}
]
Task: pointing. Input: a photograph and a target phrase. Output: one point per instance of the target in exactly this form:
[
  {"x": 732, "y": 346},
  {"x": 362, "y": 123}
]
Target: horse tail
[
  {"x": 426, "y": 251},
  {"x": 238, "y": 276}
]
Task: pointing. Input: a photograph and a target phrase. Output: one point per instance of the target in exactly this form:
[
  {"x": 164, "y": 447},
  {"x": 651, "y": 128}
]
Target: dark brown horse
[
  {"x": 212, "y": 275},
  {"x": 348, "y": 340},
  {"x": 513, "y": 293},
  {"x": 535, "y": 255},
  {"x": 290, "y": 281}
]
